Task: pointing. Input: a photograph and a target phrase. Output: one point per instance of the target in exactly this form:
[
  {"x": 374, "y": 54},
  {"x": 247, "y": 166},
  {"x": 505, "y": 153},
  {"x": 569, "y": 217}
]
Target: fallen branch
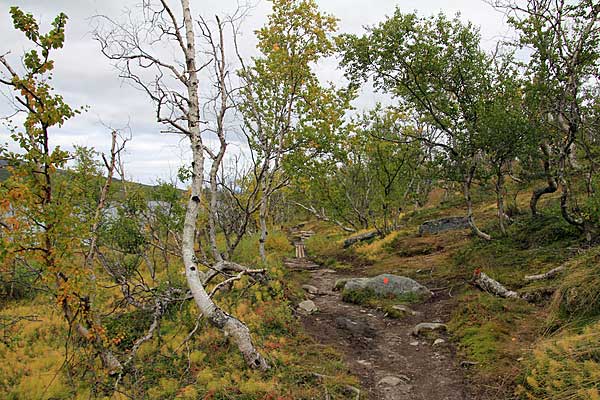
[
  {"x": 489, "y": 285},
  {"x": 229, "y": 281},
  {"x": 359, "y": 238},
  {"x": 547, "y": 275}
]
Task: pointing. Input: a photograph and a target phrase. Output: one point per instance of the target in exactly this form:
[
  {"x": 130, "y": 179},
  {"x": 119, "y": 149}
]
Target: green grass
[
  {"x": 368, "y": 298},
  {"x": 487, "y": 327}
]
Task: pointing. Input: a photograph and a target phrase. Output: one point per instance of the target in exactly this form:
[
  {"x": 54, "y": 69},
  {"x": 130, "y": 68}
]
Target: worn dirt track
[{"x": 376, "y": 346}]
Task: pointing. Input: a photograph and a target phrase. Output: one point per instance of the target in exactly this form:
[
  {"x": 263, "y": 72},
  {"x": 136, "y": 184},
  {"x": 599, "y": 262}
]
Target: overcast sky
[{"x": 84, "y": 77}]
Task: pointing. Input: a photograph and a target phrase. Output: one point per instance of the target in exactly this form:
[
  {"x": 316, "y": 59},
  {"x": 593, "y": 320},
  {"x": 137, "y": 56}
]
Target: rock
[
  {"x": 404, "y": 309},
  {"x": 439, "y": 342},
  {"x": 390, "y": 381},
  {"x": 354, "y": 327},
  {"x": 443, "y": 224},
  {"x": 328, "y": 271},
  {"x": 386, "y": 285},
  {"x": 311, "y": 289},
  {"x": 308, "y": 306},
  {"x": 428, "y": 326},
  {"x": 415, "y": 343}
]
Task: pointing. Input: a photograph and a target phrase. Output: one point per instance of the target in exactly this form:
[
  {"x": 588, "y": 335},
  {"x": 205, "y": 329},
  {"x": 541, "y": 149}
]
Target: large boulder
[
  {"x": 386, "y": 285},
  {"x": 443, "y": 224}
]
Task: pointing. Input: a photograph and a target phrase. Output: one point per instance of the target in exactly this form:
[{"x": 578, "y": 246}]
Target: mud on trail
[{"x": 390, "y": 362}]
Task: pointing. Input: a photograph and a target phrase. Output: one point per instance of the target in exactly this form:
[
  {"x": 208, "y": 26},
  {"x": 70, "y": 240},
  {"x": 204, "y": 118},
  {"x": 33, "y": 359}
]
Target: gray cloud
[{"x": 84, "y": 77}]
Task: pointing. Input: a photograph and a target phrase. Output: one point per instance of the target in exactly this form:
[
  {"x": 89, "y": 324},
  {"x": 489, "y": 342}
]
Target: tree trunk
[
  {"x": 262, "y": 218},
  {"x": 500, "y": 199},
  {"x": 467, "y": 193},
  {"x": 217, "y": 317},
  {"x": 552, "y": 185},
  {"x": 212, "y": 218}
]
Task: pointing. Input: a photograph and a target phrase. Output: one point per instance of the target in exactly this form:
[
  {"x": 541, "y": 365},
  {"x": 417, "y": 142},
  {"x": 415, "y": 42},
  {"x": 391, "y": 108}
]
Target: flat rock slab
[
  {"x": 385, "y": 285},
  {"x": 442, "y": 225}
]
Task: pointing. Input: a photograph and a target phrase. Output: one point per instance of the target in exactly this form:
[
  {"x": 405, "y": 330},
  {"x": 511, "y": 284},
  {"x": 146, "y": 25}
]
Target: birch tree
[
  {"x": 564, "y": 39},
  {"x": 434, "y": 66},
  {"x": 283, "y": 103},
  {"x": 173, "y": 84}
]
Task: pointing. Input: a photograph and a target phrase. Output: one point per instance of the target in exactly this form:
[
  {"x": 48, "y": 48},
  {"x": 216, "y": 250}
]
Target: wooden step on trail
[{"x": 300, "y": 264}]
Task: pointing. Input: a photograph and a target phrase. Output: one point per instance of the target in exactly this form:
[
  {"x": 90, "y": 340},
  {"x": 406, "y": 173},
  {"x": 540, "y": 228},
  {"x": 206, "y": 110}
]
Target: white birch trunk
[{"x": 217, "y": 317}]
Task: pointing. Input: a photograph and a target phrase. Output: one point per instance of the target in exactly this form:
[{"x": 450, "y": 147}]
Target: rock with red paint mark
[{"x": 385, "y": 285}]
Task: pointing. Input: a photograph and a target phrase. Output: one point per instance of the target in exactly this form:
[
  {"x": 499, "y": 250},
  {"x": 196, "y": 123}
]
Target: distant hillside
[{"x": 4, "y": 174}]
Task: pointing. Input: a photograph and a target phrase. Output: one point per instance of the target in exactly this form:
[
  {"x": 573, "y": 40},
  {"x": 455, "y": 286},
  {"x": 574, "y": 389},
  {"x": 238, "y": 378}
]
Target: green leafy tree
[
  {"x": 434, "y": 66},
  {"x": 44, "y": 229},
  {"x": 287, "y": 112}
]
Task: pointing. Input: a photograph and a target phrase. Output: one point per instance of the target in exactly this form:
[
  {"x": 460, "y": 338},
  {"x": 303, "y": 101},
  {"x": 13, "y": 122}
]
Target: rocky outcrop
[
  {"x": 443, "y": 224},
  {"x": 385, "y": 285}
]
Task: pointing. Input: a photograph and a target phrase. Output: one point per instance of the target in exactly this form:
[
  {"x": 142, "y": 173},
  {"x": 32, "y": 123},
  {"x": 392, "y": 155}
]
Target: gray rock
[
  {"x": 387, "y": 285},
  {"x": 357, "y": 328},
  {"x": 439, "y": 342},
  {"x": 428, "y": 326},
  {"x": 415, "y": 343},
  {"x": 311, "y": 289},
  {"x": 404, "y": 309},
  {"x": 443, "y": 225},
  {"x": 308, "y": 306},
  {"x": 390, "y": 381}
]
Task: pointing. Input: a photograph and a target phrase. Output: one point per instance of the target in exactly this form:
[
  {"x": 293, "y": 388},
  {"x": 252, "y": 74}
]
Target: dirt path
[{"x": 390, "y": 362}]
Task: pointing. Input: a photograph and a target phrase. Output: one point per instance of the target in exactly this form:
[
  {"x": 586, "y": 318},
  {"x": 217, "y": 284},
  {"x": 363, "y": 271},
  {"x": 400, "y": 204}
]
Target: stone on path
[
  {"x": 311, "y": 289},
  {"x": 308, "y": 306},
  {"x": 428, "y": 326},
  {"x": 357, "y": 328},
  {"x": 439, "y": 341},
  {"x": 404, "y": 309},
  {"x": 390, "y": 381}
]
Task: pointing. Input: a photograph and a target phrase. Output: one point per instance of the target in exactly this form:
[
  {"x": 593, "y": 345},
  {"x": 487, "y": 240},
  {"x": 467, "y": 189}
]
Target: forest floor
[{"x": 391, "y": 363}]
